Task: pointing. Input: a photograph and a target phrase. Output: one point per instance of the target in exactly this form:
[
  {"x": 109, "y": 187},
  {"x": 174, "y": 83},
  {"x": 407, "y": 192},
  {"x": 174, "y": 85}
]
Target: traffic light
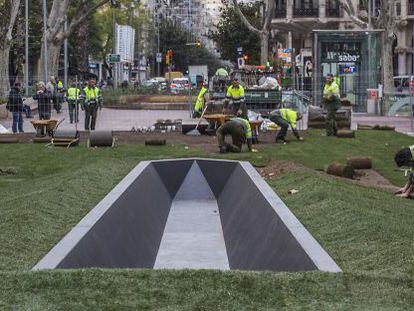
[
  {"x": 168, "y": 57},
  {"x": 246, "y": 58},
  {"x": 198, "y": 44}
]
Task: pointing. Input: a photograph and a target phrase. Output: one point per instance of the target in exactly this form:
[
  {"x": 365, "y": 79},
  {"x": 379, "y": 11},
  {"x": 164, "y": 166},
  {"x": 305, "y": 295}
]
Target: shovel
[{"x": 196, "y": 132}]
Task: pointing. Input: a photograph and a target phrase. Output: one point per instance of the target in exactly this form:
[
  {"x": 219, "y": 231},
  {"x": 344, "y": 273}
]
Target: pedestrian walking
[
  {"x": 44, "y": 104},
  {"x": 285, "y": 118},
  {"x": 16, "y": 107},
  {"x": 332, "y": 104},
  {"x": 93, "y": 101},
  {"x": 73, "y": 97}
]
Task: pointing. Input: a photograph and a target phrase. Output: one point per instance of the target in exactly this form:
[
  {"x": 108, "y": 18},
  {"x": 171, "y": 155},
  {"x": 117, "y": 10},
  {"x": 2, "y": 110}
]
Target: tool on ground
[
  {"x": 196, "y": 132},
  {"x": 65, "y": 138}
]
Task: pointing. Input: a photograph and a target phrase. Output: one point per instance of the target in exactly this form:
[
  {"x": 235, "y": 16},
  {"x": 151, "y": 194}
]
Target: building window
[
  {"x": 280, "y": 9},
  {"x": 410, "y": 7},
  {"x": 306, "y": 8},
  {"x": 332, "y": 9}
]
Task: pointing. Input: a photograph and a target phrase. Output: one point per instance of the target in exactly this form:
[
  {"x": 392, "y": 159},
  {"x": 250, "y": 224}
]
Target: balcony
[{"x": 305, "y": 12}]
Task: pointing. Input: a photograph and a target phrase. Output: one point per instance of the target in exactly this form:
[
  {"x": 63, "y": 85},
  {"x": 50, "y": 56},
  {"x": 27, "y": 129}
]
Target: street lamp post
[
  {"x": 26, "y": 52},
  {"x": 45, "y": 59},
  {"x": 65, "y": 49}
]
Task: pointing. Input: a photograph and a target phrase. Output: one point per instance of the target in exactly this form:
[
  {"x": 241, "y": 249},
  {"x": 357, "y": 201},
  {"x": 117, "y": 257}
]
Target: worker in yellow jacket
[
  {"x": 73, "y": 96},
  {"x": 235, "y": 99},
  {"x": 201, "y": 101},
  {"x": 285, "y": 118},
  {"x": 332, "y": 103},
  {"x": 92, "y": 101}
]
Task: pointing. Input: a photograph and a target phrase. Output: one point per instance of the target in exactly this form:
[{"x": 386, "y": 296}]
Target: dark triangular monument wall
[
  {"x": 217, "y": 173},
  {"x": 172, "y": 173},
  {"x": 194, "y": 186}
]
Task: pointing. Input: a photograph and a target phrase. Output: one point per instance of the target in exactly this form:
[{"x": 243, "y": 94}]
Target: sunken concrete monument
[{"x": 190, "y": 213}]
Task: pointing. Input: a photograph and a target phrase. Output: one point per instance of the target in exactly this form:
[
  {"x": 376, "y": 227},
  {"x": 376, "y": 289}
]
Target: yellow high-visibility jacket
[
  {"x": 199, "y": 105},
  {"x": 234, "y": 93}
]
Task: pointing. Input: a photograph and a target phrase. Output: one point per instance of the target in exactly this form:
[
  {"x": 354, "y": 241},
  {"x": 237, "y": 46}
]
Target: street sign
[
  {"x": 159, "y": 57},
  {"x": 240, "y": 62},
  {"x": 113, "y": 58}
]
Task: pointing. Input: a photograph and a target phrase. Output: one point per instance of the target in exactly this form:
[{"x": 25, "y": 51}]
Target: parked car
[
  {"x": 179, "y": 85},
  {"x": 403, "y": 83},
  {"x": 162, "y": 81},
  {"x": 151, "y": 83}
]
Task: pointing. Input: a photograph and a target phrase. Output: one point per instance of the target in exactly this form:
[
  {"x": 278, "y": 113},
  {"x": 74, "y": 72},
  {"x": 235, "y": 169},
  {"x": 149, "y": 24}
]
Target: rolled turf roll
[
  {"x": 101, "y": 139},
  {"x": 360, "y": 163},
  {"x": 9, "y": 140},
  {"x": 345, "y": 134},
  {"x": 340, "y": 170},
  {"x": 155, "y": 142}
]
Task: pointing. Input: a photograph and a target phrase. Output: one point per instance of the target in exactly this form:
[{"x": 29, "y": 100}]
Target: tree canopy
[{"x": 232, "y": 33}]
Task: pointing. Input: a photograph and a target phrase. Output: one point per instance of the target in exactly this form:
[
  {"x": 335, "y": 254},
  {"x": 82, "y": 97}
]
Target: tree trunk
[
  {"x": 53, "y": 55},
  {"x": 264, "y": 47},
  {"x": 388, "y": 65},
  {"x": 4, "y": 71}
]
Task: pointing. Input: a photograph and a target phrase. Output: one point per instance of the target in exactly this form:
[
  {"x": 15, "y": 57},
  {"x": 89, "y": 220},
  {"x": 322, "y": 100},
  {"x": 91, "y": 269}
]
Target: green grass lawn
[{"x": 369, "y": 233}]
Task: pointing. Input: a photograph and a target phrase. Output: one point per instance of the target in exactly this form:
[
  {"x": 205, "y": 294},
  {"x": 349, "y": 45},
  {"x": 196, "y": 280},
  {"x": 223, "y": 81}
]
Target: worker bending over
[
  {"x": 235, "y": 98},
  {"x": 285, "y": 118},
  {"x": 201, "y": 101},
  {"x": 404, "y": 157},
  {"x": 240, "y": 131}
]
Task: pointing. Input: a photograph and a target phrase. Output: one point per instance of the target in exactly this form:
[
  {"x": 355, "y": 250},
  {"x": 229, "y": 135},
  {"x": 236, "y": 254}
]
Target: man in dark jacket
[
  {"x": 44, "y": 105},
  {"x": 44, "y": 102},
  {"x": 15, "y": 106}
]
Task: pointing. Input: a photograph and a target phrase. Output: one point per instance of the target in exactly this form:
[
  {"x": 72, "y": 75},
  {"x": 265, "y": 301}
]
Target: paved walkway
[
  {"x": 109, "y": 119},
  {"x": 124, "y": 120},
  {"x": 402, "y": 124}
]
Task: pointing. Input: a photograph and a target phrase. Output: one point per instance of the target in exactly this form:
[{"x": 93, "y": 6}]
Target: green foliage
[
  {"x": 176, "y": 38},
  {"x": 231, "y": 33}
]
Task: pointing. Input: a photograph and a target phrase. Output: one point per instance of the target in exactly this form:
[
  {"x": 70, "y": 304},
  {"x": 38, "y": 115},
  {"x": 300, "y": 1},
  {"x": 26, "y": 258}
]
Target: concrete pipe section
[{"x": 190, "y": 213}]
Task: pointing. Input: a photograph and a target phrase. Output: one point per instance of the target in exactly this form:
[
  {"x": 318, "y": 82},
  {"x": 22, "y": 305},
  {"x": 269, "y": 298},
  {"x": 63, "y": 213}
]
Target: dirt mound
[{"x": 366, "y": 178}]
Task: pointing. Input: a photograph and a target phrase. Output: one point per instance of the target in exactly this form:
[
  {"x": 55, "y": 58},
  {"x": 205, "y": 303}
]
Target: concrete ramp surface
[{"x": 190, "y": 213}]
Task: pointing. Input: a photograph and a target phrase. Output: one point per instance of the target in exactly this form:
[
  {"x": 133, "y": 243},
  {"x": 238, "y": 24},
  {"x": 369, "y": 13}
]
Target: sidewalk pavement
[
  {"x": 403, "y": 125},
  {"x": 108, "y": 119}
]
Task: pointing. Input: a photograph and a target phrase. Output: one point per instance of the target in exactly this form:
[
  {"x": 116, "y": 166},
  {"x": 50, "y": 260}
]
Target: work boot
[{"x": 281, "y": 141}]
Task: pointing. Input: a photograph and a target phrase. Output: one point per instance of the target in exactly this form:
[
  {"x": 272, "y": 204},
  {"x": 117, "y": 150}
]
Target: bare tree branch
[
  {"x": 13, "y": 15},
  {"x": 350, "y": 9},
  {"x": 269, "y": 13},
  {"x": 245, "y": 20},
  {"x": 81, "y": 16}
]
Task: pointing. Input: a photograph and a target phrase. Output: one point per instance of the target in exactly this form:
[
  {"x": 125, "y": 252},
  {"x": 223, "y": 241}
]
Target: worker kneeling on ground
[
  {"x": 235, "y": 98},
  {"x": 404, "y": 157},
  {"x": 240, "y": 131},
  {"x": 285, "y": 118},
  {"x": 201, "y": 101}
]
